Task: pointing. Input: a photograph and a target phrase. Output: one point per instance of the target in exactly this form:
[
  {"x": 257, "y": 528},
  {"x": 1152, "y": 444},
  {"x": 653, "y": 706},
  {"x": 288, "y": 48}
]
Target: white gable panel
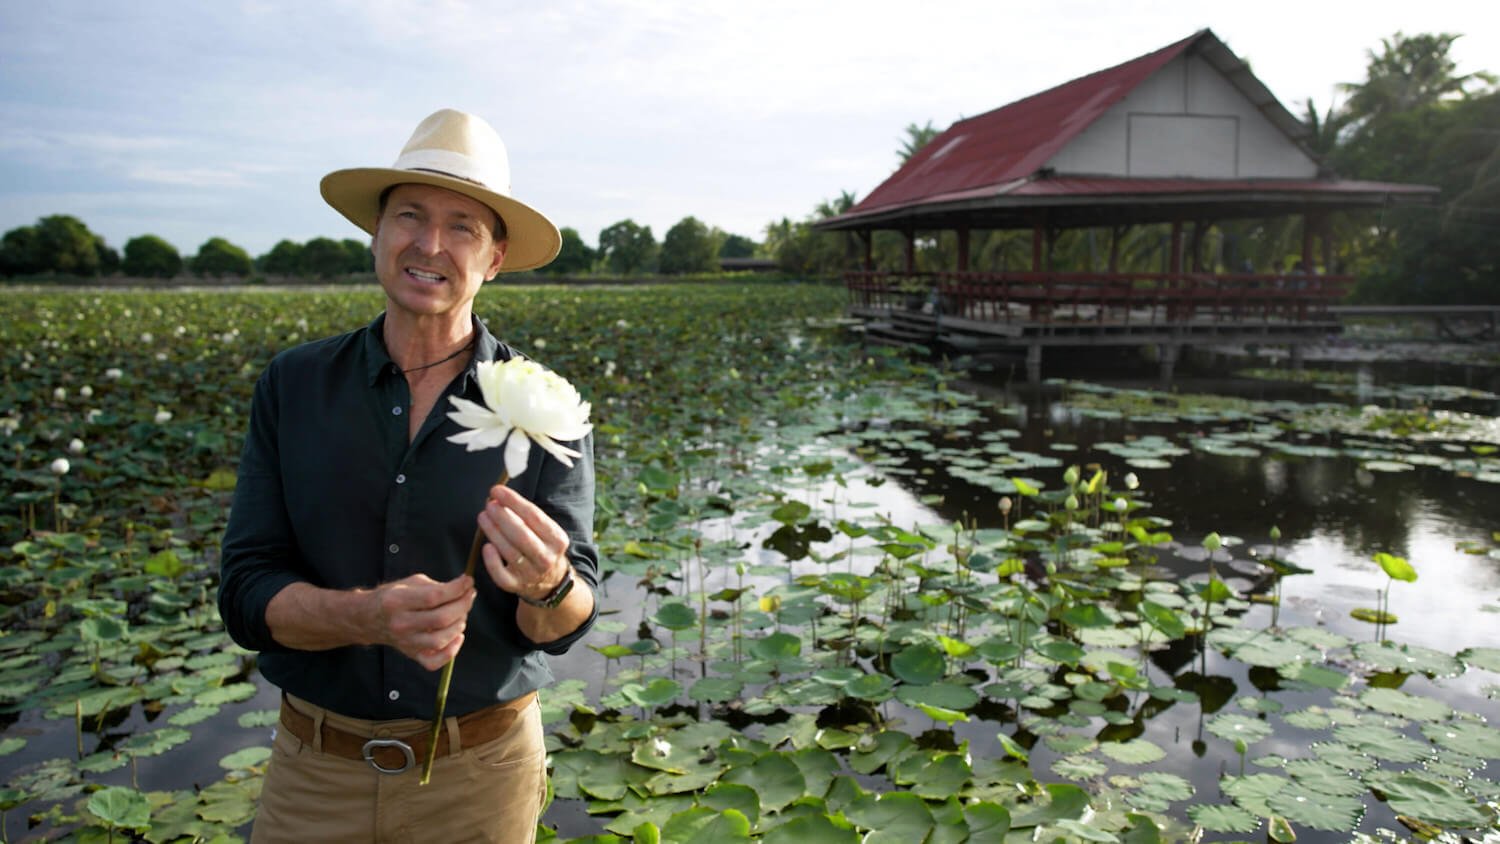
[
  {"x": 1187, "y": 120},
  {"x": 1191, "y": 146}
]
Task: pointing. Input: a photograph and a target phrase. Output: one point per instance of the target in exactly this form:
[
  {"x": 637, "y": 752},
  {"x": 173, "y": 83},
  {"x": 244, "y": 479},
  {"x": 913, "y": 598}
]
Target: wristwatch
[{"x": 553, "y": 598}]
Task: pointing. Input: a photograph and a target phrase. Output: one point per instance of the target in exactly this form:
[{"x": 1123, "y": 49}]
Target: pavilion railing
[{"x": 1103, "y": 298}]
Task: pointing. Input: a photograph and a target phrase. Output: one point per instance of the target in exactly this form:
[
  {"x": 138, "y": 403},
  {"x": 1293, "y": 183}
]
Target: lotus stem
[{"x": 447, "y": 677}]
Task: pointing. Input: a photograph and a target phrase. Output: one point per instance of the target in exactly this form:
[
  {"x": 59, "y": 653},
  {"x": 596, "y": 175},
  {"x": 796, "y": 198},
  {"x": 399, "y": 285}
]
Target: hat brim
[{"x": 533, "y": 239}]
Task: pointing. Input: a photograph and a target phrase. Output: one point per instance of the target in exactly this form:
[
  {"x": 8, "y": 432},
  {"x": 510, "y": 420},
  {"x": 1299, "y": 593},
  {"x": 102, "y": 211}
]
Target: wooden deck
[{"x": 1026, "y": 311}]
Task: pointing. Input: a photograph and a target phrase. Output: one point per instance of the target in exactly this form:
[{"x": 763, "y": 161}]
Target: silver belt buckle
[{"x": 368, "y": 751}]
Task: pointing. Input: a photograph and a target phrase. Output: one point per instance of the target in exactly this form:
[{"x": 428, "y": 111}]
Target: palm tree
[
  {"x": 1410, "y": 72},
  {"x": 916, "y": 138}
]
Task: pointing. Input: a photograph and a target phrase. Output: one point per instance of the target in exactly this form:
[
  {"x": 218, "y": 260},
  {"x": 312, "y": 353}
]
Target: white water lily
[
  {"x": 60, "y": 466},
  {"x": 522, "y": 397},
  {"x": 114, "y": 373},
  {"x": 163, "y": 416},
  {"x": 75, "y": 446},
  {"x": 86, "y": 391}
]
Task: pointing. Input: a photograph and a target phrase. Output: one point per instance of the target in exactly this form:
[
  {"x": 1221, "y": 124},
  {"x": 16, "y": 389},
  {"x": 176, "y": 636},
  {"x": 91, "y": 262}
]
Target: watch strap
[{"x": 553, "y": 598}]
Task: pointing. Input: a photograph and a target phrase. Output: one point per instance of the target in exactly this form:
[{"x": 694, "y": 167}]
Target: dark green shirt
[{"x": 332, "y": 493}]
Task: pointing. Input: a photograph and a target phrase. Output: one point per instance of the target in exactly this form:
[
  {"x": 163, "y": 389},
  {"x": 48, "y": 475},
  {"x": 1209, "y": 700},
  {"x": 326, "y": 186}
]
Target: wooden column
[
  {"x": 1195, "y": 246},
  {"x": 963, "y": 249},
  {"x": 867, "y": 237},
  {"x": 911, "y": 249},
  {"x": 1115, "y": 233},
  {"x": 1038, "y": 236},
  {"x": 1174, "y": 257},
  {"x": 1308, "y": 224},
  {"x": 1326, "y": 234}
]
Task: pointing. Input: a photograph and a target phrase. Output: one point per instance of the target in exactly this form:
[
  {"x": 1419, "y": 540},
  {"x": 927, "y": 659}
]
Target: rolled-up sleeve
[{"x": 259, "y": 553}]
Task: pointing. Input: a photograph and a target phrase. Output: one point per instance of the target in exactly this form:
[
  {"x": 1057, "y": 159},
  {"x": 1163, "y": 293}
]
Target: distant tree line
[{"x": 63, "y": 245}]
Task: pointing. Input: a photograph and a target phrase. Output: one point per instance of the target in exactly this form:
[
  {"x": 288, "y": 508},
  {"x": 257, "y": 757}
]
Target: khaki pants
[{"x": 492, "y": 792}]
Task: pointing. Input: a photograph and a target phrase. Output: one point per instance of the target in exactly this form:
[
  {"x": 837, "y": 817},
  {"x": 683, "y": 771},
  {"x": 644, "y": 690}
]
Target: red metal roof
[
  {"x": 1097, "y": 186},
  {"x": 1013, "y": 141}
]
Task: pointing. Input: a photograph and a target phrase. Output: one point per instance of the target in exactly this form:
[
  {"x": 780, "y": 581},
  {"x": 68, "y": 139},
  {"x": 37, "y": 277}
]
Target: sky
[{"x": 191, "y": 120}]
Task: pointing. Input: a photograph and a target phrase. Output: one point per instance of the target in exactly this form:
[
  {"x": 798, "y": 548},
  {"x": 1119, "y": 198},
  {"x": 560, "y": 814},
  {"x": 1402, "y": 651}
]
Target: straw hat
[{"x": 460, "y": 152}]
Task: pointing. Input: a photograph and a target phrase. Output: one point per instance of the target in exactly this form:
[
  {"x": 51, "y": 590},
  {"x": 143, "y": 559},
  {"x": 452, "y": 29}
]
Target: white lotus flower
[
  {"x": 114, "y": 373},
  {"x": 60, "y": 466},
  {"x": 60, "y": 394},
  {"x": 522, "y": 397},
  {"x": 76, "y": 446},
  {"x": 163, "y": 416},
  {"x": 86, "y": 391}
]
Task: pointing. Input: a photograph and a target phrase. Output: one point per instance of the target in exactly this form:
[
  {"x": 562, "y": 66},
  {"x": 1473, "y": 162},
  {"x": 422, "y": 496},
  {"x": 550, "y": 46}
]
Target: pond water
[{"x": 785, "y": 512}]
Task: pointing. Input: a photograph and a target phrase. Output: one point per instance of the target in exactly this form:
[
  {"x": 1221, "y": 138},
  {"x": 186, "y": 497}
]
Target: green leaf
[
  {"x": 1319, "y": 811},
  {"x": 1403, "y": 705},
  {"x": 1233, "y": 726},
  {"x": 1223, "y": 818},
  {"x": 777, "y": 646},
  {"x": 715, "y": 689},
  {"x": 245, "y": 759},
  {"x": 701, "y": 824},
  {"x": 873, "y": 687},
  {"x": 919, "y": 665},
  {"x": 774, "y": 777},
  {"x": 1133, "y": 752},
  {"x": 725, "y": 795},
  {"x": 1065, "y": 802},
  {"x": 791, "y": 512},
  {"x": 1397, "y": 568},
  {"x": 894, "y": 817},
  {"x": 1467, "y": 737},
  {"x": 120, "y": 808},
  {"x": 675, "y": 615},
  {"x": 987, "y": 821},
  {"x": 1024, "y": 488},
  {"x": 1434, "y": 802},
  {"x": 811, "y": 828},
  {"x": 1163, "y": 618}
]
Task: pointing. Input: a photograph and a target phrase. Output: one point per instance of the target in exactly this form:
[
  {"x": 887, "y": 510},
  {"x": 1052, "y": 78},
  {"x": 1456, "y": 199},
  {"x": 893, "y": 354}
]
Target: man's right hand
[
  {"x": 418, "y": 616},
  {"x": 424, "y": 618}
]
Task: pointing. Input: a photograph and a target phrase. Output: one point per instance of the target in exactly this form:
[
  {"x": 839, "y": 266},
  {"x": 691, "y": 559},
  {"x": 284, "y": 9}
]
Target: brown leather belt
[{"x": 396, "y": 754}]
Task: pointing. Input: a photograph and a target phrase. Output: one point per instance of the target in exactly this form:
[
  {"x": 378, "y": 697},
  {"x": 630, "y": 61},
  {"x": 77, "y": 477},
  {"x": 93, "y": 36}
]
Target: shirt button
[
  {"x": 395, "y": 548},
  {"x": 396, "y": 411},
  {"x": 400, "y": 479},
  {"x": 394, "y": 695}
]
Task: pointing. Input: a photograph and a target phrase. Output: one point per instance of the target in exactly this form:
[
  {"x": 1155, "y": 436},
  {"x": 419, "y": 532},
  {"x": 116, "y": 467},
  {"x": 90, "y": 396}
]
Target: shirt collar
[{"x": 378, "y": 359}]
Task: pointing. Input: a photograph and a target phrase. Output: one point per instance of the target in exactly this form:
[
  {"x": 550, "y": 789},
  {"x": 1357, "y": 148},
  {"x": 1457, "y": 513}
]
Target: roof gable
[{"x": 1004, "y": 147}]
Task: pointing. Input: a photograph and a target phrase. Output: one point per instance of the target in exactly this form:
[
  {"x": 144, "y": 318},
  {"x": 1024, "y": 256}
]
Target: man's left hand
[{"x": 527, "y": 552}]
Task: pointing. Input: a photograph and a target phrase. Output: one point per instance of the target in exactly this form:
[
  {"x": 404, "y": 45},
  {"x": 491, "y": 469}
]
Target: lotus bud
[
  {"x": 1131, "y": 481},
  {"x": 1121, "y": 505},
  {"x": 76, "y": 446},
  {"x": 60, "y": 394},
  {"x": 770, "y": 603},
  {"x": 1213, "y": 542},
  {"x": 1070, "y": 477},
  {"x": 60, "y": 466},
  {"x": 1275, "y": 532},
  {"x": 114, "y": 373},
  {"x": 1071, "y": 503},
  {"x": 86, "y": 391},
  {"x": 1005, "y": 503}
]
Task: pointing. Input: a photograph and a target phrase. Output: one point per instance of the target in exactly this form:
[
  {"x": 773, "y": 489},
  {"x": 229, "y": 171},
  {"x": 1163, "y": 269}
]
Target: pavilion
[{"x": 1185, "y": 136}]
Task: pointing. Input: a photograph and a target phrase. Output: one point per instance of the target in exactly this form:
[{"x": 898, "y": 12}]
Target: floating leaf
[
  {"x": 919, "y": 664},
  {"x": 1319, "y": 811},
  {"x": 246, "y": 758},
  {"x": 1434, "y": 802},
  {"x": 1468, "y": 737},
  {"x": 1133, "y": 752},
  {"x": 120, "y": 807},
  {"x": 1397, "y": 568},
  {"x": 1223, "y": 818},
  {"x": 1403, "y": 705},
  {"x": 1233, "y": 726}
]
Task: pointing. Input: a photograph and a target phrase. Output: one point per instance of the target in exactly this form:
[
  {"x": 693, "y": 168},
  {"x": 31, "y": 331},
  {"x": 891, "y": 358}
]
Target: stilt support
[
  {"x": 1168, "y": 353},
  {"x": 1034, "y": 363}
]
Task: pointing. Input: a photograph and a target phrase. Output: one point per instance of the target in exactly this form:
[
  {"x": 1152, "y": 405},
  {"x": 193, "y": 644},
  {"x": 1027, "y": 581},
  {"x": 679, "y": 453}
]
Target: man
[{"x": 353, "y": 517}]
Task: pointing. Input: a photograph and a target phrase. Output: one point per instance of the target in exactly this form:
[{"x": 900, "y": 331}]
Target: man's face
[{"x": 434, "y": 249}]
